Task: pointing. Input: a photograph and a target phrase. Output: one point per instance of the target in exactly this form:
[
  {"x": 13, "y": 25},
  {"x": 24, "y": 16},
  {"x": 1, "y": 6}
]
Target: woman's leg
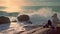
[{"x": 46, "y": 26}]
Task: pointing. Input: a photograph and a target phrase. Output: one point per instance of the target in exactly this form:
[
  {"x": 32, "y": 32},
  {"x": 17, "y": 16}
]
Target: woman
[{"x": 53, "y": 22}]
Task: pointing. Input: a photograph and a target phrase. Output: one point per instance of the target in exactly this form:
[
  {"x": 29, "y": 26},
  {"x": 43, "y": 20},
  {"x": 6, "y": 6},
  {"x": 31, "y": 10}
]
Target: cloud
[{"x": 42, "y": 2}]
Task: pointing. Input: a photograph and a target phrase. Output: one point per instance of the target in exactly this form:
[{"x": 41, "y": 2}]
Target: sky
[{"x": 15, "y": 5}]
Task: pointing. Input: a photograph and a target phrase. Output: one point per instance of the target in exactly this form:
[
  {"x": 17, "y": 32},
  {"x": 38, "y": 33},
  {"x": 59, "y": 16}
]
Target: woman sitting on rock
[{"x": 53, "y": 22}]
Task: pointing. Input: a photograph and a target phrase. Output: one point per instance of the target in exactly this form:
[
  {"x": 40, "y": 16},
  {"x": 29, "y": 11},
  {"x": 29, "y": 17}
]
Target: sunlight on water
[
  {"x": 38, "y": 17},
  {"x": 14, "y": 27}
]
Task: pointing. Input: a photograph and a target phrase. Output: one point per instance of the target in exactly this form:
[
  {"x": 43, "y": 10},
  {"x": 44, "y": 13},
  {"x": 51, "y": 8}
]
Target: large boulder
[
  {"x": 4, "y": 23},
  {"x": 4, "y": 20},
  {"x": 23, "y": 18}
]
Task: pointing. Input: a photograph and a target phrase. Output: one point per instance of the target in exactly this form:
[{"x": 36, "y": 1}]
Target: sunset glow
[
  {"x": 12, "y": 5},
  {"x": 15, "y": 5}
]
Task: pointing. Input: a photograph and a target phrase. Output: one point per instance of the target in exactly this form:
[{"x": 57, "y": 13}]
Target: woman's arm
[{"x": 30, "y": 22}]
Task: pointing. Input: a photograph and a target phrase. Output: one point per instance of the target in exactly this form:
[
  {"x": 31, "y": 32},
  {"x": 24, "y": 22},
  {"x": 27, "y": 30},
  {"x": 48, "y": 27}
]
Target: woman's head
[
  {"x": 23, "y": 18},
  {"x": 55, "y": 15}
]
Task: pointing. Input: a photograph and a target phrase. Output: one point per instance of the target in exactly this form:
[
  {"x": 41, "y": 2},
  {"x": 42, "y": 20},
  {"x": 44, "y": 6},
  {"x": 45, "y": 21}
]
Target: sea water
[{"x": 39, "y": 15}]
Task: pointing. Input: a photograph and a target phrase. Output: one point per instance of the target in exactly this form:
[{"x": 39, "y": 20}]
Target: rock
[
  {"x": 14, "y": 21},
  {"x": 23, "y": 18},
  {"x": 38, "y": 30},
  {"x": 4, "y": 23},
  {"x": 4, "y": 20}
]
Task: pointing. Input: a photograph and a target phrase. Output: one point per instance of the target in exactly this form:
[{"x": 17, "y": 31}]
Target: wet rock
[
  {"x": 23, "y": 18},
  {"x": 4, "y": 23},
  {"x": 4, "y": 20}
]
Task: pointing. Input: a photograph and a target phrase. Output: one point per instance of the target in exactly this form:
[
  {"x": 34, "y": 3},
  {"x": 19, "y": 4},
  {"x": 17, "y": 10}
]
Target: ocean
[{"x": 38, "y": 14}]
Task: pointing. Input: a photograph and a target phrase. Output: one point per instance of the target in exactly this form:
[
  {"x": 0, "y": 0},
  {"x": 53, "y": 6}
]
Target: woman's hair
[
  {"x": 23, "y": 18},
  {"x": 55, "y": 15}
]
